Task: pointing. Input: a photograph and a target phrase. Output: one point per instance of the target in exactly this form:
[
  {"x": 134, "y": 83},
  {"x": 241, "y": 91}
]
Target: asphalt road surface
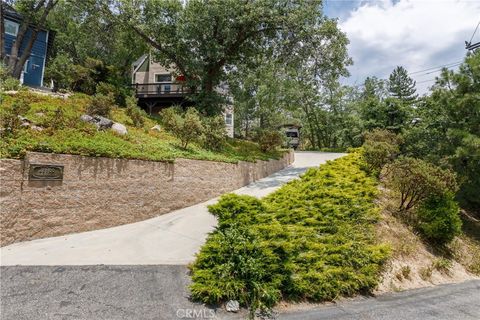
[{"x": 160, "y": 292}]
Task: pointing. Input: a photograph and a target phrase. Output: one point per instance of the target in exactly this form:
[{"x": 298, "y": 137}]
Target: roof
[
  {"x": 11, "y": 13},
  {"x": 139, "y": 61}
]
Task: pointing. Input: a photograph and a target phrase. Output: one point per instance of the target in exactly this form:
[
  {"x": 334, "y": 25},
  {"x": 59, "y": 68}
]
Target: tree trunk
[
  {"x": 2, "y": 34},
  {"x": 13, "y": 59},
  {"x": 17, "y": 70},
  {"x": 15, "y": 63}
]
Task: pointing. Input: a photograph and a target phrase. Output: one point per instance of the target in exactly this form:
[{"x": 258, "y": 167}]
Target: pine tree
[{"x": 401, "y": 86}]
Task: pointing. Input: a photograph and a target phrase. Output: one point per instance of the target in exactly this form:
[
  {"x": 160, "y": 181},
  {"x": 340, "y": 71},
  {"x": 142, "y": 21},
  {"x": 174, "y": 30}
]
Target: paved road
[
  {"x": 159, "y": 292},
  {"x": 445, "y": 302},
  {"x": 173, "y": 238}
]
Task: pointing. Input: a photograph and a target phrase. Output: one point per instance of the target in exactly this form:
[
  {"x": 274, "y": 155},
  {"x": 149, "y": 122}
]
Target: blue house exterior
[{"x": 34, "y": 68}]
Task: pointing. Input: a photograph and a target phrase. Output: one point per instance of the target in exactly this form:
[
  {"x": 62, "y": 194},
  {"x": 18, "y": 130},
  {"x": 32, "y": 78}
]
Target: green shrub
[
  {"x": 269, "y": 140},
  {"x": 134, "y": 112},
  {"x": 381, "y": 147},
  {"x": 101, "y": 105},
  {"x": 7, "y": 82},
  {"x": 3, "y": 71},
  {"x": 118, "y": 92},
  {"x": 415, "y": 180},
  {"x": 234, "y": 209},
  {"x": 311, "y": 239},
  {"x": 10, "y": 117},
  {"x": 214, "y": 133},
  {"x": 443, "y": 265},
  {"x": 55, "y": 119},
  {"x": 11, "y": 84},
  {"x": 105, "y": 89},
  {"x": 59, "y": 70},
  {"x": 438, "y": 219},
  {"x": 235, "y": 264},
  {"x": 185, "y": 126}
]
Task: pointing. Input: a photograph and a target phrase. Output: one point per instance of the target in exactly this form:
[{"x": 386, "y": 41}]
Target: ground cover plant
[
  {"x": 62, "y": 131},
  {"x": 312, "y": 240}
]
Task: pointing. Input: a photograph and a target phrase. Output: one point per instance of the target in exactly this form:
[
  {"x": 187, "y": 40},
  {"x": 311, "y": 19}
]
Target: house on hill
[
  {"x": 34, "y": 68},
  {"x": 157, "y": 87}
]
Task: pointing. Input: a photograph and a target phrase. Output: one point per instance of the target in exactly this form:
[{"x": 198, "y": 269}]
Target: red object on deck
[{"x": 180, "y": 78}]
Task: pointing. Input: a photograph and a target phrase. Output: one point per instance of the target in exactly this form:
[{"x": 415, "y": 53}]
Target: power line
[
  {"x": 478, "y": 24},
  {"x": 447, "y": 65},
  {"x": 429, "y": 80},
  {"x": 441, "y": 69}
]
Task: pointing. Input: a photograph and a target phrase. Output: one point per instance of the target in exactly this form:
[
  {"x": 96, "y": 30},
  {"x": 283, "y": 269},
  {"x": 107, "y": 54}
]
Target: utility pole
[{"x": 472, "y": 46}]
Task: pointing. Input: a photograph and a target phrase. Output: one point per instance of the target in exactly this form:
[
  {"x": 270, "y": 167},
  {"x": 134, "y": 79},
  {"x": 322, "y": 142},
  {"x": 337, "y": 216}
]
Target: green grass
[
  {"x": 76, "y": 137},
  {"x": 313, "y": 239}
]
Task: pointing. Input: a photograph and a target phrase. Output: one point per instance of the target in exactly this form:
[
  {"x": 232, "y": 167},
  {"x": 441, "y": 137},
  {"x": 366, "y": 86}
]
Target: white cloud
[{"x": 413, "y": 33}]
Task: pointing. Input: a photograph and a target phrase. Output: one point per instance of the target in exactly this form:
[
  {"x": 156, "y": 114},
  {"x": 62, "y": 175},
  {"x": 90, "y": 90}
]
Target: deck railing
[{"x": 160, "y": 89}]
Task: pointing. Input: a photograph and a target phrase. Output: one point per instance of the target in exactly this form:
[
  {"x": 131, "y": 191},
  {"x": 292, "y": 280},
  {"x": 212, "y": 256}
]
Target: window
[
  {"x": 11, "y": 28},
  {"x": 167, "y": 88},
  {"x": 229, "y": 119},
  {"x": 291, "y": 134},
  {"x": 163, "y": 77}
]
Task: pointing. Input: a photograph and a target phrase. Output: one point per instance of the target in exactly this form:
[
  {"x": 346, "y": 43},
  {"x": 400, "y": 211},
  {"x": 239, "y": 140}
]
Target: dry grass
[
  {"x": 466, "y": 248},
  {"x": 416, "y": 264}
]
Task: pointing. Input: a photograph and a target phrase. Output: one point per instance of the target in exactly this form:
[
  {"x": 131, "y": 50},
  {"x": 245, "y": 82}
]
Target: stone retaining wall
[{"x": 101, "y": 192}]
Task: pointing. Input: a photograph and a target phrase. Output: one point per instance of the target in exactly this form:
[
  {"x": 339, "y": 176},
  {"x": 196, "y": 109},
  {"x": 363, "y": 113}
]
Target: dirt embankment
[{"x": 416, "y": 264}]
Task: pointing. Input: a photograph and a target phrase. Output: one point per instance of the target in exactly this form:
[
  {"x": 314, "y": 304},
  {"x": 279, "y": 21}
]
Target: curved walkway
[{"x": 172, "y": 238}]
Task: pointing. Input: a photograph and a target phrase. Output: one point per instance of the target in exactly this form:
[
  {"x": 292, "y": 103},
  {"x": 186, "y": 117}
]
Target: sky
[{"x": 416, "y": 34}]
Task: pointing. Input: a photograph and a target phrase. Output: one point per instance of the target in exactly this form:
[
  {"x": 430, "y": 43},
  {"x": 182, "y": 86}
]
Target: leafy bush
[
  {"x": 3, "y": 71},
  {"x": 185, "y": 126},
  {"x": 134, "y": 112},
  {"x": 101, "y": 105},
  {"x": 118, "y": 92},
  {"x": 443, "y": 265},
  {"x": 10, "y": 117},
  {"x": 438, "y": 219},
  {"x": 269, "y": 139},
  {"x": 56, "y": 119},
  {"x": 381, "y": 147},
  {"x": 214, "y": 133},
  {"x": 237, "y": 266},
  {"x": 416, "y": 180},
  {"x": 11, "y": 84},
  {"x": 105, "y": 89},
  {"x": 7, "y": 82},
  {"x": 60, "y": 70},
  {"x": 311, "y": 239}
]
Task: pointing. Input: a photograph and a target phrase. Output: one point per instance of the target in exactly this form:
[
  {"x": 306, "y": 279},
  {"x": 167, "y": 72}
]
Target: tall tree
[
  {"x": 204, "y": 39},
  {"x": 449, "y": 130},
  {"x": 2, "y": 31},
  {"x": 297, "y": 81},
  {"x": 82, "y": 33},
  {"x": 35, "y": 13},
  {"x": 371, "y": 104},
  {"x": 401, "y": 86}
]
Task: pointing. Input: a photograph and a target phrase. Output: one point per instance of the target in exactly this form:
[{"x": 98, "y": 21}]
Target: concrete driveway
[{"x": 172, "y": 238}]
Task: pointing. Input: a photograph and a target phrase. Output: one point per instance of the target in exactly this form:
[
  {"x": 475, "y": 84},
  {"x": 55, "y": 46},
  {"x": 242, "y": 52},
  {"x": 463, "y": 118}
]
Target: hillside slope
[
  {"x": 416, "y": 264},
  {"x": 56, "y": 127}
]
